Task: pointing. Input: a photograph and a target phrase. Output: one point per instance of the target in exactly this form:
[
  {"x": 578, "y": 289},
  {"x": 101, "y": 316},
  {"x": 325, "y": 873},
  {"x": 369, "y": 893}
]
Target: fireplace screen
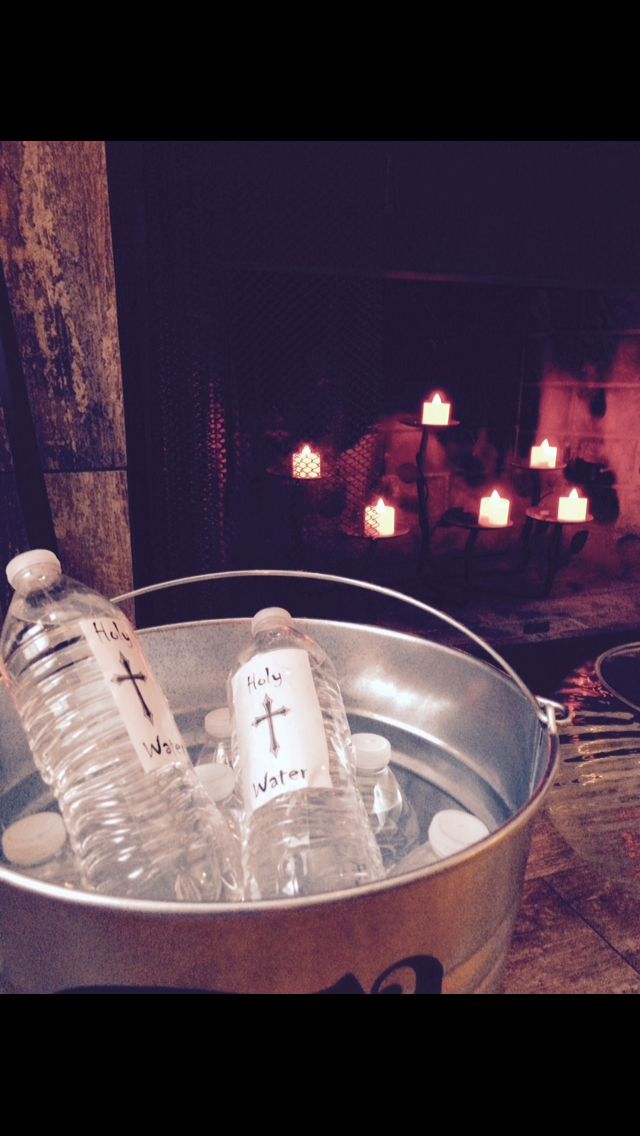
[{"x": 275, "y": 365}]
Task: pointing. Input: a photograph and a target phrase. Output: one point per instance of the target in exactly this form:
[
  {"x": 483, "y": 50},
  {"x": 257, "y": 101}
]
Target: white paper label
[
  {"x": 141, "y": 702},
  {"x": 279, "y": 726}
]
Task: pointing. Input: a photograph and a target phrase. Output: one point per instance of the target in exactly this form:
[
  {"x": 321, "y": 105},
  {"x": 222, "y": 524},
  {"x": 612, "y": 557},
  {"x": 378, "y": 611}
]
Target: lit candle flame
[
  {"x": 379, "y": 519},
  {"x": 435, "y": 412},
  {"x": 572, "y": 508},
  {"x": 543, "y": 456},
  {"x": 494, "y": 511},
  {"x": 306, "y": 463}
]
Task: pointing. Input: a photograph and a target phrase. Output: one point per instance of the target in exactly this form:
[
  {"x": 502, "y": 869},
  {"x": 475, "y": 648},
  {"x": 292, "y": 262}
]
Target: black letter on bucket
[{"x": 426, "y": 979}]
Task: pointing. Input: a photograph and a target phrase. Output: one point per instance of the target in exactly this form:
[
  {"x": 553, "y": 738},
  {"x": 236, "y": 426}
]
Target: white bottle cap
[
  {"x": 217, "y": 723},
  {"x": 451, "y": 830},
  {"x": 269, "y": 618},
  {"x": 37, "y": 557},
  {"x": 217, "y": 778},
  {"x": 373, "y": 751},
  {"x": 34, "y": 839}
]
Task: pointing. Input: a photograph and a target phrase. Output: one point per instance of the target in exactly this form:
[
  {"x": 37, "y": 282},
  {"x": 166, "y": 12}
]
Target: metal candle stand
[
  {"x": 372, "y": 543},
  {"x": 533, "y": 517},
  {"x": 474, "y": 529},
  {"x": 299, "y": 492},
  {"x": 539, "y": 518},
  {"x": 535, "y": 471},
  {"x": 536, "y": 517},
  {"x": 542, "y": 518},
  {"x": 466, "y": 521},
  {"x": 422, "y": 483}
]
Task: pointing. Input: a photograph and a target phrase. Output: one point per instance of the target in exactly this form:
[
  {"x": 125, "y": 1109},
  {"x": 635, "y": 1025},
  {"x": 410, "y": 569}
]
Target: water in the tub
[{"x": 453, "y": 804}]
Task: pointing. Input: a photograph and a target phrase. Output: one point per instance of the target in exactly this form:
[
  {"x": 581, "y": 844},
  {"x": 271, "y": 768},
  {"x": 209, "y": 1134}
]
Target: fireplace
[{"x": 269, "y": 299}]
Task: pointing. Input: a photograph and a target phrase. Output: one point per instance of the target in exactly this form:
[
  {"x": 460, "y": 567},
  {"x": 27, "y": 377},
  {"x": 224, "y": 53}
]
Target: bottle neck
[
  {"x": 371, "y": 776},
  {"x": 267, "y": 635},
  {"x": 36, "y": 578}
]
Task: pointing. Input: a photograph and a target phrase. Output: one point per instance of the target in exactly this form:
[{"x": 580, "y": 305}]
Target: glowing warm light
[
  {"x": 306, "y": 463},
  {"x": 379, "y": 519},
  {"x": 436, "y": 412},
  {"x": 494, "y": 510},
  {"x": 573, "y": 507},
  {"x": 544, "y": 456}
]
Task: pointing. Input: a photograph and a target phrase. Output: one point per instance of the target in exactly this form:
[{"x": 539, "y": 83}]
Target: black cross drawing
[
  {"x": 268, "y": 717},
  {"x": 134, "y": 678}
]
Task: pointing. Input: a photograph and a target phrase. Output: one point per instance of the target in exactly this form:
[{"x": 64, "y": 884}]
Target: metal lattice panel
[{"x": 235, "y": 366}]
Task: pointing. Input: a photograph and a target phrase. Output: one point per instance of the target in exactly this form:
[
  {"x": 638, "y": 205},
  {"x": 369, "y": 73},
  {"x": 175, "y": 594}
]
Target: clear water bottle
[
  {"x": 450, "y": 831},
  {"x": 103, "y": 736},
  {"x": 218, "y": 780},
  {"x": 392, "y": 817},
  {"x": 217, "y": 744},
  {"x": 306, "y": 828}
]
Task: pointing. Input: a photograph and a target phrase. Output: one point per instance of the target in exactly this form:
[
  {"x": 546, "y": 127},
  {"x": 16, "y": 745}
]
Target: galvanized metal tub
[{"x": 463, "y": 733}]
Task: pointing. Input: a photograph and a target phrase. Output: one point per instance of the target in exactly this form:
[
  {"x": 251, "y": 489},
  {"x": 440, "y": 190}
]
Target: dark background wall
[{"x": 532, "y": 212}]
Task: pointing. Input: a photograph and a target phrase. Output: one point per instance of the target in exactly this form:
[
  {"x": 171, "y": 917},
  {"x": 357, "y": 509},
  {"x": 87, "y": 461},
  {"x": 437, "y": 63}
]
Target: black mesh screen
[
  {"x": 260, "y": 309},
  {"x": 229, "y": 365}
]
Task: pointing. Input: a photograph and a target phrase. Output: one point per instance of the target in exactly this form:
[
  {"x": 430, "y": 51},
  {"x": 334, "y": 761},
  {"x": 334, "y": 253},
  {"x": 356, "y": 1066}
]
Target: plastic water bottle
[
  {"x": 103, "y": 736},
  {"x": 392, "y": 817},
  {"x": 219, "y": 782},
  {"x": 306, "y": 828},
  {"x": 450, "y": 831},
  {"x": 217, "y": 744}
]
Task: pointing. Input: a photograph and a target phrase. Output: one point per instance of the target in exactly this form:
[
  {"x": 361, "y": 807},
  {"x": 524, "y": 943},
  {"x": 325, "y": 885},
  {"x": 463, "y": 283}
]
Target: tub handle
[
  {"x": 557, "y": 712},
  {"x": 544, "y": 709}
]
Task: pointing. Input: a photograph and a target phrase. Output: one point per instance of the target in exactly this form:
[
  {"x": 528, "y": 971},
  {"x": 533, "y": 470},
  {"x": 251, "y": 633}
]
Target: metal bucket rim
[
  {"x": 540, "y": 707},
  {"x": 77, "y": 897},
  {"x": 472, "y": 660}
]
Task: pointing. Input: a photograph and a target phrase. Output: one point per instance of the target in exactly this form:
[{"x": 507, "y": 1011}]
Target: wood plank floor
[{"x": 577, "y": 931}]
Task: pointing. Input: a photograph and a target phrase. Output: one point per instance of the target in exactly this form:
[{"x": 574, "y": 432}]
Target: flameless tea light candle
[
  {"x": 544, "y": 456},
  {"x": 494, "y": 511},
  {"x": 573, "y": 507},
  {"x": 436, "y": 412},
  {"x": 379, "y": 519},
  {"x": 306, "y": 463}
]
